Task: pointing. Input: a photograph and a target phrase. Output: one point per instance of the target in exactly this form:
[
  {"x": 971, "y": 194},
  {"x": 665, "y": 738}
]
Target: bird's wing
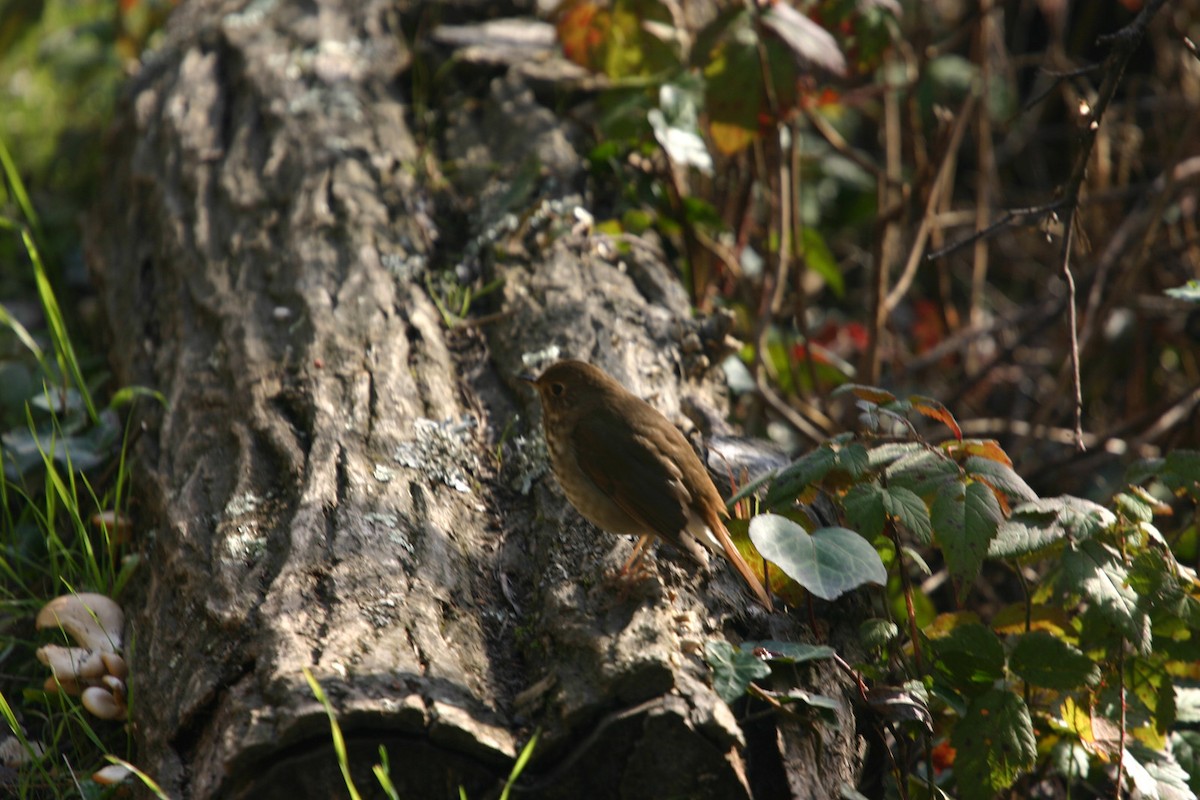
[{"x": 624, "y": 464}]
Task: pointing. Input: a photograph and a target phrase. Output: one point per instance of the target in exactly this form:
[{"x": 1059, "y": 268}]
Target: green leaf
[
  {"x": 827, "y": 707},
  {"x": 1095, "y": 571},
  {"x": 904, "y": 506},
  {"x": 970, "y": 654},
  {"x": 886, "y": 454},
  {"x": 1187, "y": 704},
  {"x": 788, "y": 652},
  {"x": 922, "y": 472},
  {"x": 994, "y": 743},
  {"x": 1000, "y": 476},
  {"x": 1070, "y": 759},
  {"x": 1186, "y": 747},
  {"x": 877, "y": 633},
  {"x": 819, "y": 258},
  {"x": 854, "y": 459},
  {"x": 733, "y": 670},
  {"x": 1181, "y": 470},
  {"x": 799, "y": 475},
  {"x": 1189, "y": 291},
  {"x": 1155, "y": 773},
  {"x": 1042, "y": 659},
  {"x": 828, "y": 562},
  {"x": 863, "y": 505},
  {"x": 1026, "y": 533},
  {"x": 813, "y": 46},
  {"x": 1133, "y": 508},
  {"x": 1047, "y": 522},
  {"x": 965, "y": 520}
]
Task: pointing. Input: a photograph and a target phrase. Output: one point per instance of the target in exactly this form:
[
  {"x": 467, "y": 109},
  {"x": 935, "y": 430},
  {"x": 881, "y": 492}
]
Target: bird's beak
[{"x": 527, "y": 377}]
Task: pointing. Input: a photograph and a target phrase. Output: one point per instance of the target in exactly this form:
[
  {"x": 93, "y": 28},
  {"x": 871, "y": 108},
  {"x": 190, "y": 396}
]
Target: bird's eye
[{"x": 557, "y": 389}]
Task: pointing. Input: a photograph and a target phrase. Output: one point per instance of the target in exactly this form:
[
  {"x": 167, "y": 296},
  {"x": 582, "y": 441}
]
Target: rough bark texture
[{"x": 323, "y": 489}]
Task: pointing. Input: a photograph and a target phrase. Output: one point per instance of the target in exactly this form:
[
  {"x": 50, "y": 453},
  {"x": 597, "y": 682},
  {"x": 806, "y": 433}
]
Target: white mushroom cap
[
  {"x": 112, "y": 774},
  {"x": 92, "y": 620},
  {"x": 115, "y": 665},
  {"x": 101, "y": 702},
  {"x": 72, "y": 664},
  {"x": 69, "y": 686},
  {"x": 117, "y": 687}
]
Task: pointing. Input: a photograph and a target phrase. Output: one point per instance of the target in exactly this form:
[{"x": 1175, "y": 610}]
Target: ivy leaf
[
  {"x": 1042, "y": 659},
  {"x": 733, "y": 670},
  {"x": 965, "y": 520},
  {"x": 788, "y": 652},
  {"x": 994, "y": 743},
  {"x": 828, "y": 562}
]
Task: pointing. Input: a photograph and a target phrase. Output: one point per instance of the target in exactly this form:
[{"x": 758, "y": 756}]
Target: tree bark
[{"x": 342, "y": 481}]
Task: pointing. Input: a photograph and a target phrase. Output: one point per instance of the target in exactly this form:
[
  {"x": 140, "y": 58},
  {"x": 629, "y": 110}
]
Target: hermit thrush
[{"x": 628, "y": 470}]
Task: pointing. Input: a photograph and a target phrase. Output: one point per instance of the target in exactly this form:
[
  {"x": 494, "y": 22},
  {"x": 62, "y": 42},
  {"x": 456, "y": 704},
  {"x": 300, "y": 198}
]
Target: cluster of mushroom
[{"x": 94, "y": 669}]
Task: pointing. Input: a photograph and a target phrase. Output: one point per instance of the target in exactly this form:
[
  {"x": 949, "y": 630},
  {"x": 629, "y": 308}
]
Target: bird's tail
[{"x": 717, "y": 526}]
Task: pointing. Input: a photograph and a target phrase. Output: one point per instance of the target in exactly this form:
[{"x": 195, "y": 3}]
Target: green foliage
[
  {"x": 827, "y": 562},
  {"x": 1099, "y": 643},
  {"x": 64, "y": 476}
]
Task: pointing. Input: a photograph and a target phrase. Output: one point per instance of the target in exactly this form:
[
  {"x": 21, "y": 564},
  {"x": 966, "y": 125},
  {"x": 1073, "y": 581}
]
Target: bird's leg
[{"x": 639, "y": 550}]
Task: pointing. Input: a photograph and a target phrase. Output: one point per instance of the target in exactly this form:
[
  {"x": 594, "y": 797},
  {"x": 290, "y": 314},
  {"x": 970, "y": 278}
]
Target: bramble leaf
[
  {"x": 999, "y": 476},
  {"x": 1043, "y": 659},
  {"x": 863, "y": 505},
  {"x": 1095, "y": 571},
  {"x": 928, "y": 407},
  {"x": 904, "y": 506},
  {"x": 994, "y": 743},
  {"x": 970, "y": 654},
  {"x": 965, "y": 519},
  {"x": 805, "y": 471},
  {"x": 923, "y": 472}
]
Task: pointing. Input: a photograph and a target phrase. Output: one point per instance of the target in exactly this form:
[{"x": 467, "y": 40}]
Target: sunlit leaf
[
  {"x": 828, "y": 562},
  {"x": 1094, "y": 571},
  {"x": 999, "y": 476},
  {"x": 927, "y": 406},
  {"x": 811, "y": 44}
]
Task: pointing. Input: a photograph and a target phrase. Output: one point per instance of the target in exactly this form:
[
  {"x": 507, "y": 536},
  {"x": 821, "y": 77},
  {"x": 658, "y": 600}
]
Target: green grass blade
[
  {"x": 522, "y": 761},
  {"x": 64, "y": 350},
  {"x": 335, "y": 730},
  {"x": 18, "y": 188}
]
